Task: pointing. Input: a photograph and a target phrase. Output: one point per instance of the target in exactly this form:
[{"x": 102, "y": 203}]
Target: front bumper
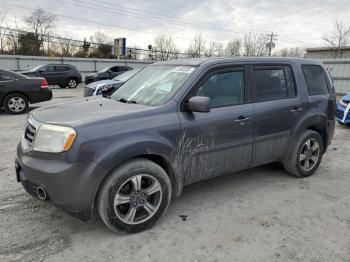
[
  {"x": 343, "y": 114},
  {"x": 69, "y": 185}
]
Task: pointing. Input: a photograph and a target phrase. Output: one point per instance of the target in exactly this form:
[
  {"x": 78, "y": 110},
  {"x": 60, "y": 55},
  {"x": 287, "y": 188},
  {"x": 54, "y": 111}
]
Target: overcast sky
[{"x": 297, "y": 22}]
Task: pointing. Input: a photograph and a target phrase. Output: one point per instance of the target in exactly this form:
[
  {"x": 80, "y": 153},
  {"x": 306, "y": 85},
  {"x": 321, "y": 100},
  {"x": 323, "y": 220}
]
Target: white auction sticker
[{"x": 183, "y": 69}]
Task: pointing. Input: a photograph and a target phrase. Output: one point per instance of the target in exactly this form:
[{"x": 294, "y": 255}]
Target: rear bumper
[
  {"x": 343, "y": 114},
  {"x": 44, "y": 94}
]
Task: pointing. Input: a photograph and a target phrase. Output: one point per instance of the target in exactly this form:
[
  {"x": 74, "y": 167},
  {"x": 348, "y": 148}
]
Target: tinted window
[
  {"x": 224, "y": 88},
  {"x": 274, "y": 83},
  {"x": 5, "y": 77},
  {"x": 49, "y": 68},
  {"x": 115, "y": 69},
  {"x": 315, "y": 79},
  {"x": 61, "y": 68}
]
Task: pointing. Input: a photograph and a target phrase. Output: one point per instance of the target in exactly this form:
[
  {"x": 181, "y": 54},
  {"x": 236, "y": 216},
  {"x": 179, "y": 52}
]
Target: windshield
[
  {"x": 154, "y": 85},
  {"x": 126, "y": 76},
  {"x": 36, "y": 68},
  {"x": 103, "y": 69}
]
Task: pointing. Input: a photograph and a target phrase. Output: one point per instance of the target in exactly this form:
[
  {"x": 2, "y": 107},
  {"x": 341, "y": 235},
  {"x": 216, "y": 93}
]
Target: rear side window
[
  {"x": 224, "y": 88},
  {"x": 274, "y": 83},
  {"x": 49, "y": 68},
  {"x": 5, "y": 77},
  {"x": 115, "y": 69},
  {"x": 315, "y": 79}
]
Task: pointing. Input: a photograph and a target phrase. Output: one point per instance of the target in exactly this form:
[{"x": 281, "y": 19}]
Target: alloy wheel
[
  {"x": 16, "y": 104},
  {"x": 309, "y": 154},
  {"x": 138, "y": 199}
]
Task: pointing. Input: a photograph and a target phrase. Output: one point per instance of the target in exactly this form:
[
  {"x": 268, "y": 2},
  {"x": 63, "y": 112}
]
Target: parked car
[
  {"x": 17, "y": 91},
  {"x": 107, "y": 73},
  {"x": 108, "y": 87},
  {"x": 343, "y": 110},
  {"x": 173, "y": 124},
  {"x": 63, "y": 75}
]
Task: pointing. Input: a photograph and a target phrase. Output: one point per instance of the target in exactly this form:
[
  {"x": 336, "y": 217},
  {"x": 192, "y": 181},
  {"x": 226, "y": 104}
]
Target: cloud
[{"x": 297, "y": 23}]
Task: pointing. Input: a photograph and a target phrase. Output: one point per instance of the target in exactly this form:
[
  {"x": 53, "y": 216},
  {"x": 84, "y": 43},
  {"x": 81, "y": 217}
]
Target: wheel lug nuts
[
  {"x": 135, "y": 204},
  {"x": 141, "y": 201}
]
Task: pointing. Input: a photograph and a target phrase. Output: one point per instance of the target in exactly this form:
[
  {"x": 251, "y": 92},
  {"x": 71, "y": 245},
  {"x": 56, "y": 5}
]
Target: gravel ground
[{"x": 261, "y": 214}]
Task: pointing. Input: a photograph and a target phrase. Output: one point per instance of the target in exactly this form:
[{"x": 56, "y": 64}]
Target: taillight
[{"x": 44, "y": 84}]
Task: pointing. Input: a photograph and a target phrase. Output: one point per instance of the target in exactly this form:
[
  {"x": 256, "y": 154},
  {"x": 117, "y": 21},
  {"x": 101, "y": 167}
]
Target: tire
[
  {"x": 16, "y": 103},
  {"x": 72, "y": 83},
  {"x": 309, "y": 148},
  {"x": 135, "y": 210}
]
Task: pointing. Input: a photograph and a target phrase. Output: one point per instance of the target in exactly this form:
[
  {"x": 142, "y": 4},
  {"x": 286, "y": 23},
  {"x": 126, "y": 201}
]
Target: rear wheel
[
  {"x": 307, "y": 155},
  {"x": 16, "y": 103},
  {"x": 72, "y": 83},
  {"x": 134, "y": 196}
]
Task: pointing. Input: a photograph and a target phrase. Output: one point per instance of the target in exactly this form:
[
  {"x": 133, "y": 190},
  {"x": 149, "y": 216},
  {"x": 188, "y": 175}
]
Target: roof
[
  {"x": 199, "y": 61},
  {"x": 328, "y": 48}
]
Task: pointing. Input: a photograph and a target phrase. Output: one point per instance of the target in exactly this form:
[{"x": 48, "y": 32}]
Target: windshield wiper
[{"x": 123, "y": 100}]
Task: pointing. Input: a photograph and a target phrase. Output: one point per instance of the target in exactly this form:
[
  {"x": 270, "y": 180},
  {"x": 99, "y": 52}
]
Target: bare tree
[
  {"x": 339, "y": 38},
  {"x": 255, "y": 45},
  {"x": 13, "y": 40},
  {"x": 291, "y": 52},
  {"x": 233, "y": 48},
  {"x": 41, "y": 24},
  {"x": 104, "y": 45},
  {"x": 164, "y": 47},
  {"x": 197, "y": 47},
  {"x": 2, "y": 35},
  {"x": 67, "y": 46}
]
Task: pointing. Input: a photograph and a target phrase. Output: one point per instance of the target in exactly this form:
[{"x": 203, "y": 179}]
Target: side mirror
[
  {"x": 199, "y": 104},
  {"x": 40, "y": 71},
  {"x": 109, "y": 72}
]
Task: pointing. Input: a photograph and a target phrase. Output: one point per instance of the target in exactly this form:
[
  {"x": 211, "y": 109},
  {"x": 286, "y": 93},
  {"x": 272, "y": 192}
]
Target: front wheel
[
  {"x": 134, "y": 196},
  {"x": 307, "y": 155}
]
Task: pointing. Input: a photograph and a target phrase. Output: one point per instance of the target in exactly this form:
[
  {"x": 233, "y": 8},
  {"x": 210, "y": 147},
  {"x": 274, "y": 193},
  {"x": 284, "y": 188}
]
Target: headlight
[{"x": 54, "y": 138}]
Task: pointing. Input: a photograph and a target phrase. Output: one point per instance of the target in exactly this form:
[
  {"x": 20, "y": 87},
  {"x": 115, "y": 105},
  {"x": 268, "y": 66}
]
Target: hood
[
  {"x": 85, "y": 110},
  {"x": 346, "y": 97},
  {"x": 101, "y": 83}
]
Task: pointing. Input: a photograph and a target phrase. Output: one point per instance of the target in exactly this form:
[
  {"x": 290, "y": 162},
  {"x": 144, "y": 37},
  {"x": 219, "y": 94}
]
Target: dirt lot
[{"x": 258, "y": 215}]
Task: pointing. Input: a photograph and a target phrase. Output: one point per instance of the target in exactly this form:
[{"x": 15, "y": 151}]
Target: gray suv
[{"x": 173, "y": 124}]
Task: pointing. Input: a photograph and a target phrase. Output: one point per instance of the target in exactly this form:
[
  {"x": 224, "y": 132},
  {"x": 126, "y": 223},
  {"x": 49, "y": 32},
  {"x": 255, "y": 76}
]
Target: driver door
[{"x": 221, "y": 140}]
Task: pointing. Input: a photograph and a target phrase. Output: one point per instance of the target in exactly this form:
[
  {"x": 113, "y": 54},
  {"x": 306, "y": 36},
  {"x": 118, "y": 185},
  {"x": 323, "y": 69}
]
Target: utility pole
[{"x": 271, "y": 44}]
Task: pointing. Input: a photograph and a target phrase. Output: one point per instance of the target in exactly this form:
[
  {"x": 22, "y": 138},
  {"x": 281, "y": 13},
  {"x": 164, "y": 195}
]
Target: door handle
[
  {"x": 242, "y": 119},
  {"x": 295, "y": 109}
]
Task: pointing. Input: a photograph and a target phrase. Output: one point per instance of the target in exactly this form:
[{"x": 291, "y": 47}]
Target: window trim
[
  {"x": 207, "y": 74},
  {"x": 274, "y": 66},
  {"x": 325, "y": 77}
]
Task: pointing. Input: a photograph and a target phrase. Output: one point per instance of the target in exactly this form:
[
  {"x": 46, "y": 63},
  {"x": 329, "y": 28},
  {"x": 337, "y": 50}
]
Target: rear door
[
  {"x": 219, "y": 141},
  {"x": 62, "y": 74},
  {"x": 277, "y": 109}
]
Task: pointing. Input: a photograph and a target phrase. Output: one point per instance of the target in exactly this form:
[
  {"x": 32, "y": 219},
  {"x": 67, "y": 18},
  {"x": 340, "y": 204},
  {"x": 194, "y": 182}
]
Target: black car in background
[
  {"x": 107, "y": 73},
  {"x": 108, "y": 87},
  {"x": 63, "y": 75},
  {"x": 17, "y": 91}
]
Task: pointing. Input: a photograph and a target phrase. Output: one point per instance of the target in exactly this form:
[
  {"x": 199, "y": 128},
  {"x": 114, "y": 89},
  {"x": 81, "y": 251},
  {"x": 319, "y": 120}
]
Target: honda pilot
[{"x": 173, "y": 124}]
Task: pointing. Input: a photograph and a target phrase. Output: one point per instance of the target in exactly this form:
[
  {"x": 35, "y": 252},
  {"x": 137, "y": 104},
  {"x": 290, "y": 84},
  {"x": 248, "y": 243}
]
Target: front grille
[
  {"x": 340, "y": 114},
  {"x": 89, "y": 91},
  {"x": 29, "y": 134}
]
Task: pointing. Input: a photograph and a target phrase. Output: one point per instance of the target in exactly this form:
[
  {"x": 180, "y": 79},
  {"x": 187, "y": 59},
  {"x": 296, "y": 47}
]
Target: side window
[
  {"x": 5, "y": 77},
  {"x": 224, "y": 88},
  {"x": 60, "y": 68},
  {"x": 274, "y": 83},
  {"x": 315, "y": 80},
  {"x": 49, "y": 68},
  {"x": 115, "y": 69}
]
